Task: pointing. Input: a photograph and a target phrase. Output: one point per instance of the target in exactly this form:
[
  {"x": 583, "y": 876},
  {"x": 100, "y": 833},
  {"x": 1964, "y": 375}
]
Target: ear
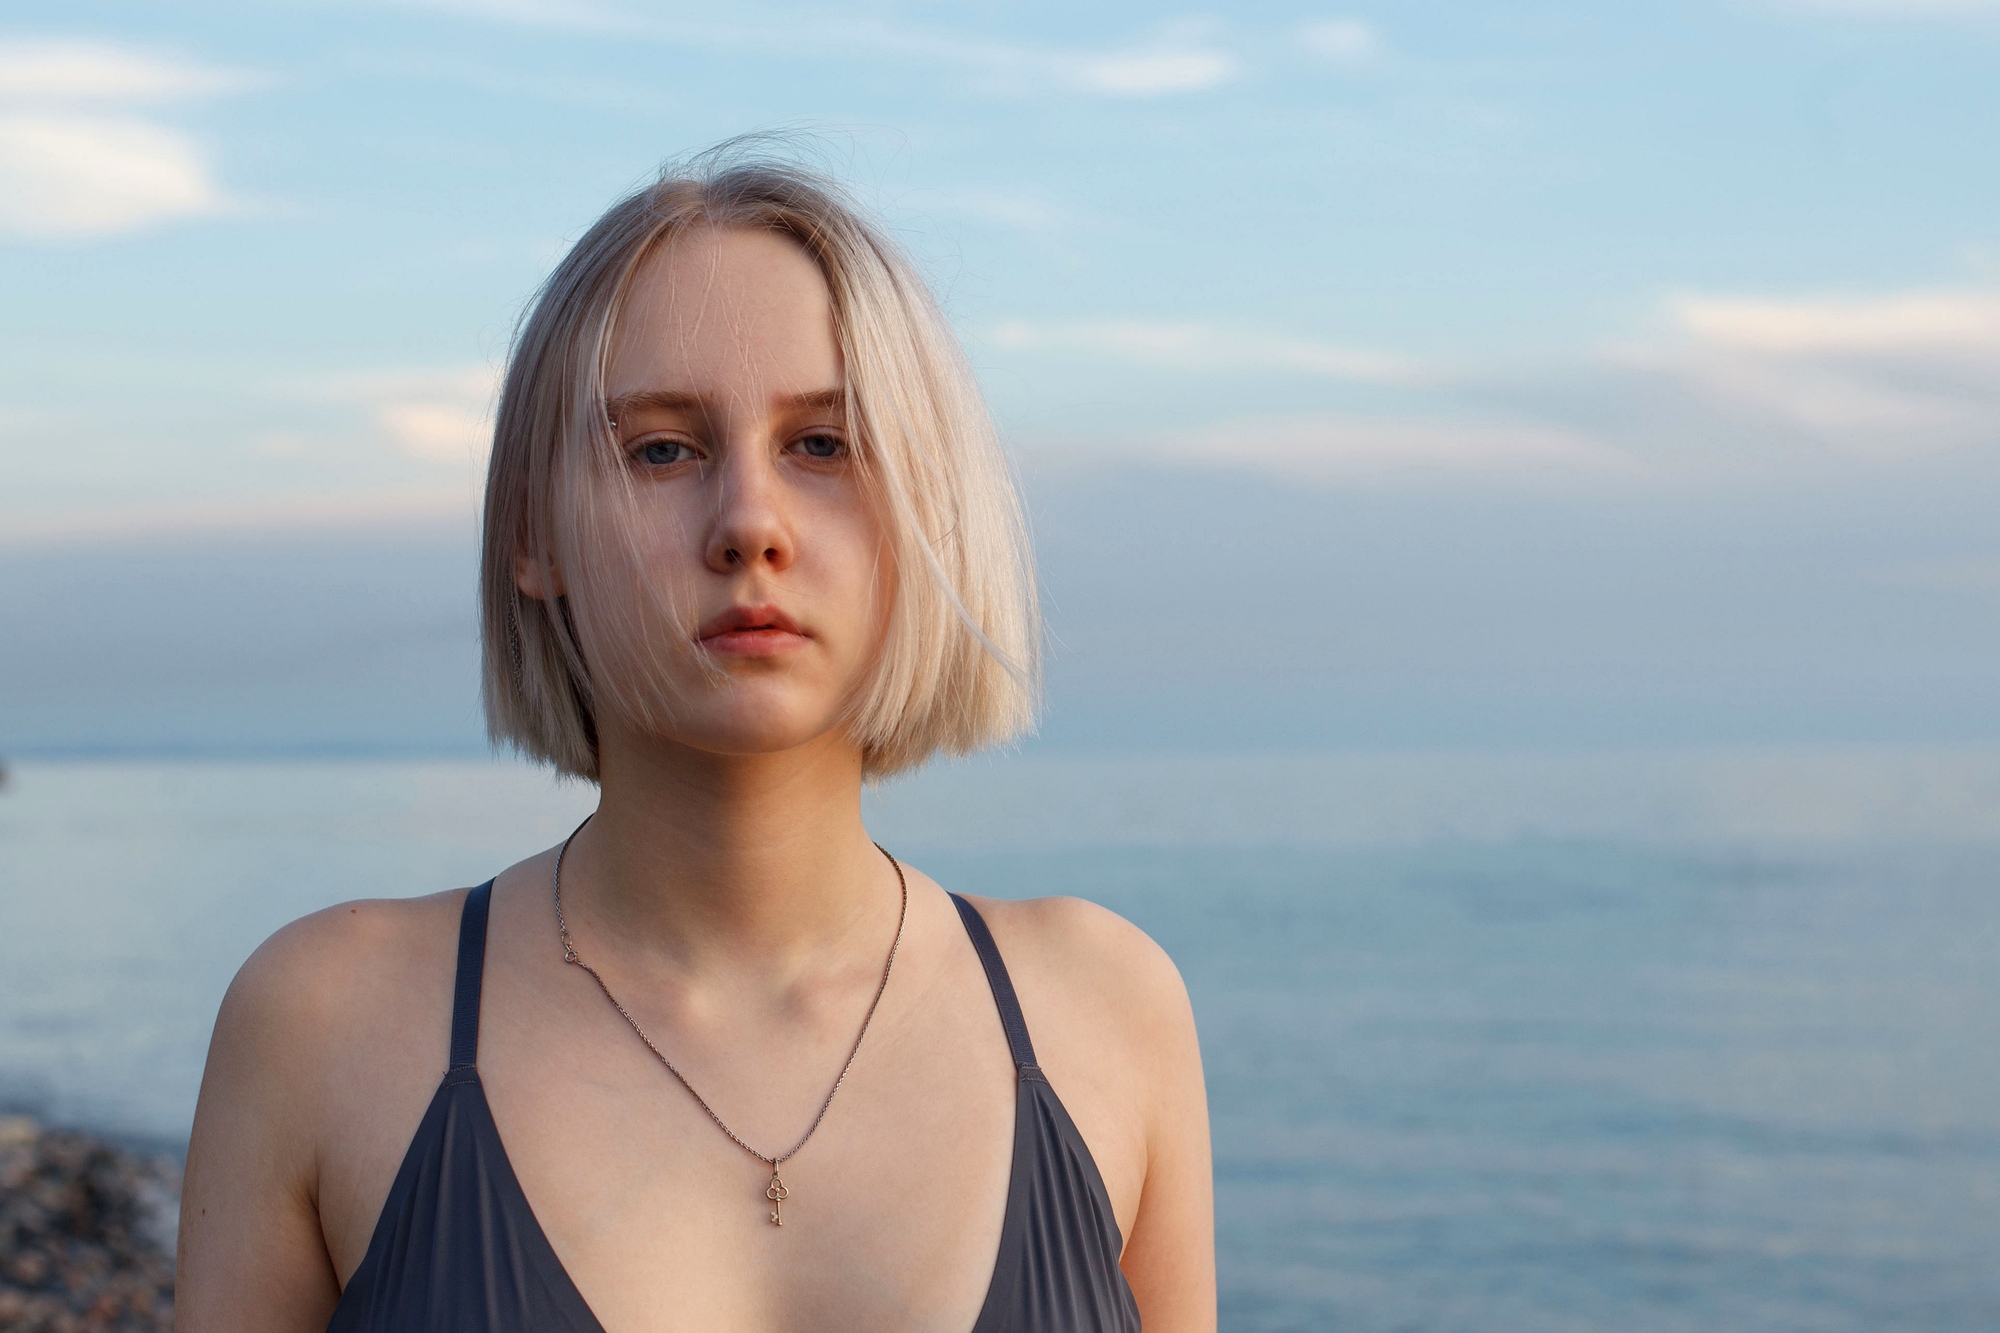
[{"x": 537, "y": 579}]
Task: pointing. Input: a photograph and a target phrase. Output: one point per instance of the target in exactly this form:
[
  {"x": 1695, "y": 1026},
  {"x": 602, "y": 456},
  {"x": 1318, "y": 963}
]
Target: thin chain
[{"x": 570, "y": 956}]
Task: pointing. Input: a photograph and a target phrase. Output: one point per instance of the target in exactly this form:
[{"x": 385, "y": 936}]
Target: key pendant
[{"x": 777, "y": 1194}]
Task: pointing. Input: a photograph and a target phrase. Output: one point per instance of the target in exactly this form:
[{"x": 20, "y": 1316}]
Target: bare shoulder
[
  {"x": 350, "y": 933},
  {"x": 1097, "y": 970},
  {"x": 315, "y": 977},
  {"x": 331, "y": 1006},
  {"x": 321, "y": 1045},
  {"x": 1114, "y": 1032},
  {"x": 1089, "y": 942}
]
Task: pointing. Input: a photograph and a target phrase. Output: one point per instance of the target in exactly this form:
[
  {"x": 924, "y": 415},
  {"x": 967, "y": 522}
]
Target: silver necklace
[{"x": 775, "y": 1192}]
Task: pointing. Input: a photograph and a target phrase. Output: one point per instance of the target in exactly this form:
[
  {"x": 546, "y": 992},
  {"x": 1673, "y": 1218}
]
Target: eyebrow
[{"x": 676, "y": 400}]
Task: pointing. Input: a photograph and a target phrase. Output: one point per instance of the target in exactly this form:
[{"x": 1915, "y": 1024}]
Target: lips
[{"x": 754, "y": 631}]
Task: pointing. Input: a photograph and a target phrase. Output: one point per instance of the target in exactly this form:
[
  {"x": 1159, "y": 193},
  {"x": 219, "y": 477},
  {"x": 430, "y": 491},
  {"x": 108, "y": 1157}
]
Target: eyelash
[
  {"x": 839, "y": 451},
  {"x": 640, "y": 448}
]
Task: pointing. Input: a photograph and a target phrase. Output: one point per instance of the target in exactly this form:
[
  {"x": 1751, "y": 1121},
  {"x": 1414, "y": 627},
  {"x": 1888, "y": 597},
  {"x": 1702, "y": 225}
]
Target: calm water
[{"x": 1646, "y": 1042}]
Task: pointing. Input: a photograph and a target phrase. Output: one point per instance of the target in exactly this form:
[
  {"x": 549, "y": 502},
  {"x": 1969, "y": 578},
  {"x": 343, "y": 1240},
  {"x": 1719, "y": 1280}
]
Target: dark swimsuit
[{"x": 458, "y": 1250}]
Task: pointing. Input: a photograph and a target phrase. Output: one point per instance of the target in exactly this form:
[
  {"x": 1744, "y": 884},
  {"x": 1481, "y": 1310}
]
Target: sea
[{"x": 1700, "y": 1039}]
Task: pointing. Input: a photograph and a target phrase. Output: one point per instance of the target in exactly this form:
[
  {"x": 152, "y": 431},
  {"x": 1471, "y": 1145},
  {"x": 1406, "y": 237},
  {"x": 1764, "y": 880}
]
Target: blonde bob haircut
[{"x": 957, "y": 668}]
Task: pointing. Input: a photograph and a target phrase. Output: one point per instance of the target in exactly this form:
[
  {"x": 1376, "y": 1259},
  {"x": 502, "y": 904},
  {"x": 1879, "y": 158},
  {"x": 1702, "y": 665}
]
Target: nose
[{"x": 752, "y": 527}]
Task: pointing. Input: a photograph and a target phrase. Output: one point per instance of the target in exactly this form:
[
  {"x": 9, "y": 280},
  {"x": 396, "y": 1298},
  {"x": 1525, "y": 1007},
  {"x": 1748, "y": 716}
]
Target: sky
[{"x": 1430, "y": 375}]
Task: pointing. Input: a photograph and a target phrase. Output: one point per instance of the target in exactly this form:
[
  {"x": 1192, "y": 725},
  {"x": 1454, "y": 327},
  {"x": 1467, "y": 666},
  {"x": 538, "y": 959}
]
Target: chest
[
  {"x": 937, "y": 1190},
  {"x": 892, "y": 1210}
]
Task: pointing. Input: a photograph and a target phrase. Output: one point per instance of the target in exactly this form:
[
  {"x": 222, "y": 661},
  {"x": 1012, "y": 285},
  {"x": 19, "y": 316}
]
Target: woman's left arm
[
  {"x": 1116, "y": 1034},
  {"x": 1170, "y": 1256}
]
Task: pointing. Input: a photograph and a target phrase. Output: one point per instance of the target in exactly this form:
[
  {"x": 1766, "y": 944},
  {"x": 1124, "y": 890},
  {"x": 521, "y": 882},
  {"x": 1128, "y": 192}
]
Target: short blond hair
[{"x": 958, "y": 668}]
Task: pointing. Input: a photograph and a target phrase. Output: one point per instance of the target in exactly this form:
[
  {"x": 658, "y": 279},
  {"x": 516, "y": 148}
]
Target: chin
[{"x": 755, "y": 728}]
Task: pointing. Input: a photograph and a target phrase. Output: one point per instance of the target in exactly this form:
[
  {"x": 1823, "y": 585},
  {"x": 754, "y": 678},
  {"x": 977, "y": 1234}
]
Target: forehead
[{"x": 725, "y": 313}]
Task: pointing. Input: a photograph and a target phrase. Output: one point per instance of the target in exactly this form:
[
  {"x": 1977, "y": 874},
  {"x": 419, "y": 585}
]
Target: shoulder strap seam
[
  {"x": 1002, "y": 985},
  {"x": 471, "y": 974}
]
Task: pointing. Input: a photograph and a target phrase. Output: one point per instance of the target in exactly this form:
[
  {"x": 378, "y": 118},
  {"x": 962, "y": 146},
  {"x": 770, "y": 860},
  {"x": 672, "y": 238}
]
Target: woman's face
[{"x": 726, "y": 394}]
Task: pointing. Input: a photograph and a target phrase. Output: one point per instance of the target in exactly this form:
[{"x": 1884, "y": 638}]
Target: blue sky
[{"x": 1545, "y": 372}]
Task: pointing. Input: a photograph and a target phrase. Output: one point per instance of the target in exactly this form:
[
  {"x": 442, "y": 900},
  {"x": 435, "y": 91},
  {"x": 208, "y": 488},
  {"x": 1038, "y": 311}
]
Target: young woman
[{"x": 719, "y": 1062}]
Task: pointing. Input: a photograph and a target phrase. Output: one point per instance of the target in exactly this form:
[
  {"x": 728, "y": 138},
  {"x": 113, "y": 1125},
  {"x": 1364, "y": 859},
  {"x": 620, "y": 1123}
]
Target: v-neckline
[
  {"x": 510, "y": 1183},
  {"x": 459, "y": 1120}
]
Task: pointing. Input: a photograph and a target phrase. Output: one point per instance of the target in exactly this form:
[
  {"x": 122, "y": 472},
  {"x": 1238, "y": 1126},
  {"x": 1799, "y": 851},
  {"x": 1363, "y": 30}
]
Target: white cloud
[
  {"x": 1893, "y": 376},
  {"x": 572, "y": 14},
  {"x": 1180, "y": 58},
  {"x": 440, "y": 431},
  {"x": 69, "y": 169},
  {"x": 333, "y": 450},
  {"x": 1921, "y": 322},
  {"x": 1343, "y": 41},
  {"x": 434, "y": 416},
  {"x": 289, "y": 514},
  {"x": 1894, "y": 8},
  {"x": 45, "y": 72},
  {"x": 65, "y": 175},
  {"x": 1323, "y": 447},
  {"x": 1147, "y": 73},
  {"x": 1206, "y": 349}
]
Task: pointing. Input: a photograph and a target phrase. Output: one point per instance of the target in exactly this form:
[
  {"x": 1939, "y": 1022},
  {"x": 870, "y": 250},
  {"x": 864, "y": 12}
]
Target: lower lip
[{"x": 753, "y": 642}]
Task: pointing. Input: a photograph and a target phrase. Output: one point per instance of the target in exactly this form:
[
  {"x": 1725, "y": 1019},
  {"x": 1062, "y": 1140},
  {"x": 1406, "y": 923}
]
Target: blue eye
[
  {"x": 661, "y": 453},
  {"x": 823, "y": 446}
]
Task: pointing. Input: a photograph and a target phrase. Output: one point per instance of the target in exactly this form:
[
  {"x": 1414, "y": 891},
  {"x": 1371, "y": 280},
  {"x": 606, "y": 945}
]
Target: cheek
[
  {"x": 868, "y": 571},
  {"x": 664, "y": 526},
  {"x": 639, "y": 572},
  {"x": 853, "y": 576}
]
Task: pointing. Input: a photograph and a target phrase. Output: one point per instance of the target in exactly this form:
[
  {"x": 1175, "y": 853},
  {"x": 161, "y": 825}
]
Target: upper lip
[{"x": 739, "y": 618}]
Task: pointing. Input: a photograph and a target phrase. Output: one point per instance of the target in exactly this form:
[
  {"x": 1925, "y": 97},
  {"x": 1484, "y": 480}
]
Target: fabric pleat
[
  {"x": 457, "y": 1248},
  {"x": 1059, "y": 1246}
]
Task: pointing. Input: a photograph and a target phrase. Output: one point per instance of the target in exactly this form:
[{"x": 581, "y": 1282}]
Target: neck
[{"x": 700, "y": 859}]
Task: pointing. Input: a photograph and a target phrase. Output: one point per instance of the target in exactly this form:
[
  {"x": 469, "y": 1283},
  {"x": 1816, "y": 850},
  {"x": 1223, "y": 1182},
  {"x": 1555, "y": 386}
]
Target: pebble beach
[{"x": 86, "y": 1233}]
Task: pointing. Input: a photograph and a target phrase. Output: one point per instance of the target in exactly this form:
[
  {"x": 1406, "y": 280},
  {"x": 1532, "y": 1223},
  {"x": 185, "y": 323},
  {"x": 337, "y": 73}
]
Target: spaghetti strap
[
  {"x": 1003, "y": 989},
  {"x": 471, "y": 971}
]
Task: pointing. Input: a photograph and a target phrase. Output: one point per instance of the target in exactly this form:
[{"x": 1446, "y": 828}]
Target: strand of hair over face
[{"x": 958, "y": 667}]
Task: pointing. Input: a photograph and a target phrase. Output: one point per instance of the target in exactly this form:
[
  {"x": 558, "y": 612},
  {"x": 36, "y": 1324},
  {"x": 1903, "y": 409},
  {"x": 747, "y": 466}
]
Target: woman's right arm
[{"x": 252, "y": 1256}]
